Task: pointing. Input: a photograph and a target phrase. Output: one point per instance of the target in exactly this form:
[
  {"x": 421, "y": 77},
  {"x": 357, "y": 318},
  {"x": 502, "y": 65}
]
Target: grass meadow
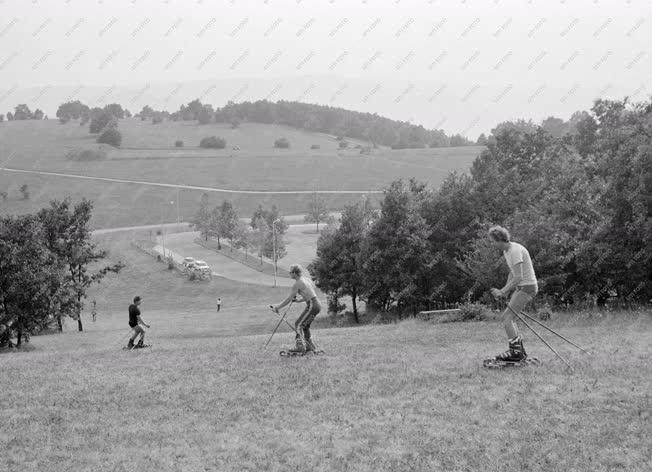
[
  {"x": 409, "y": 396},
  {"x": 147, "y": 155}
]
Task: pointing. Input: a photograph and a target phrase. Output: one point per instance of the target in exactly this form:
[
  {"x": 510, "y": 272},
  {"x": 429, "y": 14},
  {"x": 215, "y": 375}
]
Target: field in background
[
  {"x": 169, "y": 298},
  {"x": 410, "y": 396},
  {"x": 43, "y": 146}
]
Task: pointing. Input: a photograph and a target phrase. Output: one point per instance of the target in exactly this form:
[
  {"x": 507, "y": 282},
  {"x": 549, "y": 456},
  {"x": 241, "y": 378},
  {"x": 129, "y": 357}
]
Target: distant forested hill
[{"x": 339, "y": 122}]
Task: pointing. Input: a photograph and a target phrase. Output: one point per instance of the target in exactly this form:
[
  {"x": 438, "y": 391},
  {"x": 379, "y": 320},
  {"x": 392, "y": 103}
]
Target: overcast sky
[{"x": 461, "y": 65}]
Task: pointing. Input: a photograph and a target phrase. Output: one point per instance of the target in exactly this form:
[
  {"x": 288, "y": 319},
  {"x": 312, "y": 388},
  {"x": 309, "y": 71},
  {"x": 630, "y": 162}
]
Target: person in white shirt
[{"x": 523, "y": 280}]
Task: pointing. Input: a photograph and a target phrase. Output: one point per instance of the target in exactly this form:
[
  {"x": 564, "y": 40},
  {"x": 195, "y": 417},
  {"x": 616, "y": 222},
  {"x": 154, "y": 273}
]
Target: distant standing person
[
  {"x": 305, "y": 287},
  {"x": 219, "y": 304},
  {"x": 136, "y": 323},
  {"x": 522, "y": 278},
  {"x": 94, "y": 311}
]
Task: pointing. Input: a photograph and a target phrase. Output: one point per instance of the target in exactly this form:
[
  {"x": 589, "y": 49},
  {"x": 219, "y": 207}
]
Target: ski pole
[
  {"x": 554, "y": 332},
  {"x": 293, "y": 328},
  {"x": 538, "y": 336},
  {"x": 279, "y": 322}
]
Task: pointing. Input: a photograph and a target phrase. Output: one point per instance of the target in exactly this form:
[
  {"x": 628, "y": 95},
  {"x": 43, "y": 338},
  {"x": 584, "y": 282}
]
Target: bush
[
  {"x": 111, "y": 136},
  {"x": 282, "y": 143},
  {"x": 334, "y": 305},
  {"x": 86, "y": 154},
  {"x": 4, "y": 196},
  {"x": 102, "y": 122},
  {"x": 344, "y": 144},
  {"x": 170, "y": 262},
  {"x": 315, "y": 146},
  {"x": 178, "y": 143},
  {"x": 473, "y": 312},
  {"x": 213, "y": 142},
  {"x": 24, "y": 190},
  {"x": 157, "y": 119}
]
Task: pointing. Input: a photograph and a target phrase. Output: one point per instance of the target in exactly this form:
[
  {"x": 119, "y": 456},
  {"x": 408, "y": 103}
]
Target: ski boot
[
  {"x": 310, "y": 347},
  {"x": 515, "y": 356},
  {"x": 141, "y": 345},
  {"x": 298, "y": 350}
]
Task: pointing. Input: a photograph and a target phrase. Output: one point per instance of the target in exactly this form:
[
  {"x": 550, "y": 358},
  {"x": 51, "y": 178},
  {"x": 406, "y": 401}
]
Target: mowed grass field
[
  {"x": 411, "y": 396},
  {"x": 148, "y": 155}
]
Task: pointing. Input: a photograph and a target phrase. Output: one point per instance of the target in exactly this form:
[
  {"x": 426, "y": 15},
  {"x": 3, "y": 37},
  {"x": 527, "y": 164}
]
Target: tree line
[
  {"x": 580, "y": 201},
  {"x": 47, "y": 263},
  {"x": 319, "y": 118},
  {"x": 262, "y": 236}
]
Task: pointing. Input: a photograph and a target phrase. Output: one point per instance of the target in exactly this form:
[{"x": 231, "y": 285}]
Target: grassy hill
[
  {"x": 147, "y": 155},
  {"x": 410, "y": 396}
]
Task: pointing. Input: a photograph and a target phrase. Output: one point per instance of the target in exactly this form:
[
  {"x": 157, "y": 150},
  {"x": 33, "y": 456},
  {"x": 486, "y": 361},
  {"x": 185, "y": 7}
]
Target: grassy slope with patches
[
  {"x": 43, "y": 145},
  {"x": 410, "y": 396}
]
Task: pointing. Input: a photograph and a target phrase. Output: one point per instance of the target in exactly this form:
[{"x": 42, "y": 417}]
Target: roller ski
[
  {"x": 493, "y": 363},
  {"x": 300, "y": 350},
  {"x": 140, "y": 345},
  {"x": 294, "y": 353},
  {"x": 515, "y": 356}
]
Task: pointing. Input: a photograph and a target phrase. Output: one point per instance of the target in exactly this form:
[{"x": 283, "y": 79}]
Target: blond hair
[
  {"x": 499, "y": 234},
  {"x": 296, "y": 269}
]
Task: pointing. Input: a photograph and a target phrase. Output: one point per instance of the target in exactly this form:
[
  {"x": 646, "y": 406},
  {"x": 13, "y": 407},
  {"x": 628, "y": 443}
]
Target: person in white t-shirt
[{"x": 522, "y": 278}]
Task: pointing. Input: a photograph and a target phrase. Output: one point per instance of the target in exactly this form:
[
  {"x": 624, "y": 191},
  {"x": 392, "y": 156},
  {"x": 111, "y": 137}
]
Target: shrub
[
  {"x": 315, "y": 146},
  {"x": 178, "y": 143},
  {"x": 111, "y": 136},
  {"x": 334, "y": 305},
  {"x": 282, "y": 143},
  {"x": 4, "y": 196},
  {"x": 157, "y": 119},
  {"x": 344, "y": 144},
  {"x": 170, "y": 262},
  {"x": 213, "y": 142},
  {"x": 102, "y": 122},
  {"x": 24, "y": 189},
  {"x": 473, "y": 312},
  {"x": 86, "y": 154}
]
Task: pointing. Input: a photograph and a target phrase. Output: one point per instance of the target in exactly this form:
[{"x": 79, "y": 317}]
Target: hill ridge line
[{"x": 191, "y": 187}]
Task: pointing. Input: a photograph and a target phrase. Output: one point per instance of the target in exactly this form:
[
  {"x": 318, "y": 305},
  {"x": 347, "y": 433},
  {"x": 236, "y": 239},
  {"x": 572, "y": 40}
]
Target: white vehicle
[
  {"x": 201, "y": 270},
  {"x": 188, "y": 261}
]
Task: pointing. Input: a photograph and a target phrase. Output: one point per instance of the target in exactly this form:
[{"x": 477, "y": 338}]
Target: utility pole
[
  {"x": 274, "y": 247},
  {"x": 178, "y": 210}
]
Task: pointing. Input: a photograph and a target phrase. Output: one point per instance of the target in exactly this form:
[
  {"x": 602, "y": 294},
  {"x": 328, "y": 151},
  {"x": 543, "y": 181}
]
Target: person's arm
[
  {"x": 293, "y": 294},
  {"x": 140, "y": 321},
  {"x": 514, "y": 279}
]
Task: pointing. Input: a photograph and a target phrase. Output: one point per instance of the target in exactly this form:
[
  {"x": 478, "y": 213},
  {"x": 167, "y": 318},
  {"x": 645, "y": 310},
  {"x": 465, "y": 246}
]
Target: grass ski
[
  {"x": 493, "y": 363},
  {"x": 288, "y": 353}
]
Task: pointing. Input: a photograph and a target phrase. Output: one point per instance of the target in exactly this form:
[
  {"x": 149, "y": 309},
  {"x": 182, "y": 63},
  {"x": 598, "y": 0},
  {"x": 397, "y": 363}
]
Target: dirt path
[{"x": 194, "y": 187}]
